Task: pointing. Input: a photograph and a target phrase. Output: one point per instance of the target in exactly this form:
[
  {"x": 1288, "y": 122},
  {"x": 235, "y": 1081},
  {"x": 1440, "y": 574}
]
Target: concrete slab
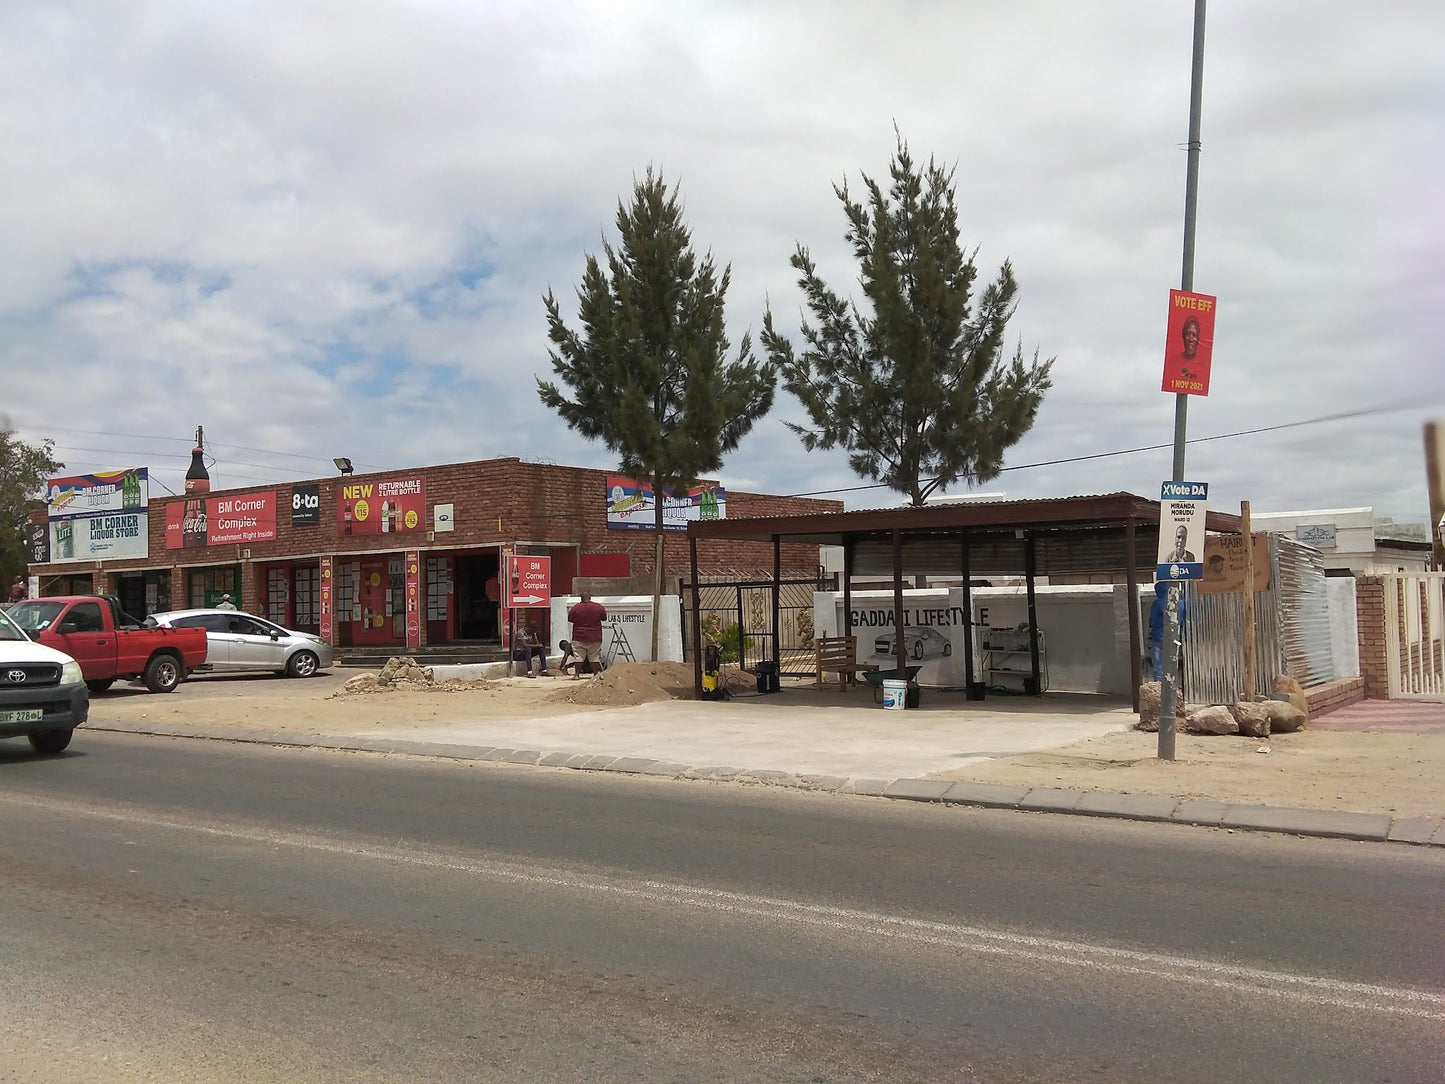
[
  {"x": 852, "y": 739},
  {"x": 993, "y": 795},
  {"x": 872, "y": 787},
  {"x": 1050, "y": 800},
  {"x": 1205, "y": 811},
  {"x": 1414, "y": 829},
  {"x": 667, "y": 768},
  {"x": 918, "y": 790},
  {"x": 1308, "y": 822},
  {"x": 1438, "y": 839},
  {"x": 555, "y": 760},
  {"x": 525, "y": 756},
  {"x": 1139, "y": 807},
  {"x": 630, "y": 764}
]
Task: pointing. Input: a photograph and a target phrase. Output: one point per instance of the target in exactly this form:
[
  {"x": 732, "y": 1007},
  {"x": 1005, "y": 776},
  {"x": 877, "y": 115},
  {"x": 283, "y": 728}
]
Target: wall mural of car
[{"x": 919, "y": 643}]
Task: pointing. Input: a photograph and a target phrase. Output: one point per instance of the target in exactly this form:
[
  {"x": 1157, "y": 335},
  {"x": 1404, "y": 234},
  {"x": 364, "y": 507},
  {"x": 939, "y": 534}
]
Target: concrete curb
[{"x": 1198, "y": 812}]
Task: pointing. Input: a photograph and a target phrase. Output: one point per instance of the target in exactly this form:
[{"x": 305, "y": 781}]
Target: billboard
[
  {"x": 98, "y": 516},
  {"x": 389, "y": 507},
  {"x": 1189, "y": 347},
  {"x": 221, "y": 521},
  {"x": 37, "y": 543},
  {"x": 630, "y": 505},
  {"x": 306, "y": 505}
]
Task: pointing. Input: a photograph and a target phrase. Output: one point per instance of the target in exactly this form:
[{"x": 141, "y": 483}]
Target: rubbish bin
[{"x": 767, "y": 673}]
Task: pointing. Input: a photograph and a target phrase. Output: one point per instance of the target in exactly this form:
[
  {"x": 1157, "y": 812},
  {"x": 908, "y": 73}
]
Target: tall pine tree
[
  {"x": 920, "y": 393},
  {"x": 648, "y": 371}
]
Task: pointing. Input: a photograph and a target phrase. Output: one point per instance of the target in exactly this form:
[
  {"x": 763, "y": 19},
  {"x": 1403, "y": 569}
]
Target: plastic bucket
[{"x": 895, "y": 693}]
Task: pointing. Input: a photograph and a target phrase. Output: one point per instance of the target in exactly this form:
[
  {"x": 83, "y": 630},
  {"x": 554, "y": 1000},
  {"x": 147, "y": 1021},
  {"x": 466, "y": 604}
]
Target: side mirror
[
  {"x": 65, "y": 628},
  {"x": 275, "y": 635}
]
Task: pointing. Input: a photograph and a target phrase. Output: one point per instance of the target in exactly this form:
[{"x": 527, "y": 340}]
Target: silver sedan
[{"x": 238, "y": 642}]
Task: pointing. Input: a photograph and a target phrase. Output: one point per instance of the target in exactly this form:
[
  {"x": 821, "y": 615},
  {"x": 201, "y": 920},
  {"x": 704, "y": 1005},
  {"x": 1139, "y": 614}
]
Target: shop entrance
[
  {"x": 476, "y": 597},
  {"x": 131, "y": 590},
  {"x": 374, "y": 628}
]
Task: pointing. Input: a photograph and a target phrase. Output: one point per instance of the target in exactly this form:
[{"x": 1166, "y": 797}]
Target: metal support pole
[
  {"x": 1131, "y": 588},
  {"x": 1168, "y": 698},
  {"x": 968, "y": 681},
  {"x": 1249, "y": 646},
  {"x": 777, "y": 602},
  {"x": 1030, "y": 567},
  {"x": 697, "y": 645},
  {"x": 848, "y": 545},
  {"x": 900, "y": 646}
]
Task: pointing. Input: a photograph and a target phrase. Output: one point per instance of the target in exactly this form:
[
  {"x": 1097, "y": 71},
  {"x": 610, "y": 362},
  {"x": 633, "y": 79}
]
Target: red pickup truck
[{"x": 95, "y": 632}]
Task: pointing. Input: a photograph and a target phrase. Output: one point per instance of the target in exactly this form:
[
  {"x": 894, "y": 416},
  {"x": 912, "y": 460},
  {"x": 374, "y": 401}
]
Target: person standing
[
  {"x": 1156, "y": 630},
  {"x": 17, "y": 590},
  {"x": 586, "y": 617},
  {"x": 225, "y": 603}
]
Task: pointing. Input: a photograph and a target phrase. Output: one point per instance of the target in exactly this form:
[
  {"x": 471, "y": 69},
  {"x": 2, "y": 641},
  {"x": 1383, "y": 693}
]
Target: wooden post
[
  {"x": 697, "y": 645},
  {"x": 777, "y": 602},
  {"x": 970, "y": 692},
  {"x": 1249, "y": 662},
  {"x": 1131, "y": 588},
  {"x": 900, "y": 646},
  {"x": 1030, "y": 565},
  {"x": 848, "y": 546},
  {"x": 1435, "y": 484}
]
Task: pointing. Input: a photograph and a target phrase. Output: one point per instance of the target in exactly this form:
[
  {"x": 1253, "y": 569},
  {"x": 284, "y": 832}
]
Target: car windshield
[
  {"x": 9, "y": 630},
  {"x": 35, "y": 616}
]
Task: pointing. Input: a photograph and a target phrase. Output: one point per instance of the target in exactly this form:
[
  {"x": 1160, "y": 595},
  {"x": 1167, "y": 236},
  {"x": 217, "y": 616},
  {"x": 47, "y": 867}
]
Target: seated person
[{"x": 529, "y": 647}]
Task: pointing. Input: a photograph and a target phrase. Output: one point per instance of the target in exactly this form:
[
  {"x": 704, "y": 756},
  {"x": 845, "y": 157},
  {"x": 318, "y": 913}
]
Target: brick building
[{"x": 352, "y": 557}]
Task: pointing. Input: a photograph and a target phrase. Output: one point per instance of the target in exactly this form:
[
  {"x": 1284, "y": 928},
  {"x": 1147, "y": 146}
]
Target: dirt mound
[{"x": 627, "y": 683}]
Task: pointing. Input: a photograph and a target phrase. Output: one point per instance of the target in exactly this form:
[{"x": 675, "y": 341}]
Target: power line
[{"x": 187, "y": 440}]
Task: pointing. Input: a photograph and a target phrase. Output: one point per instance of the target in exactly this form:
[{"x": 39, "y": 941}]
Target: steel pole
[{"x": 1168, "y": 689}]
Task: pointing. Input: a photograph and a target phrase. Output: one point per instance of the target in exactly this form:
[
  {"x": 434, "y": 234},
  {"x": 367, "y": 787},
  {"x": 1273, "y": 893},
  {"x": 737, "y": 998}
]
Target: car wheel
[
  {"x": 918, "y": 649},
  {"x": 303, "y": 664},
  {"x": 50, "y": 742},
  {"x": 163, "y": 674},
  {"x": 947, "y": 650},
  {"x": 99, "y": 686}
]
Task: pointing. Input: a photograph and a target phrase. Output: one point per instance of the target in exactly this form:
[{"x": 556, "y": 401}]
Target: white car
[
  {"x": 238, "y": 642},
  {"x": 919, "y": 643},
  {"x": 43, "y": 695}
]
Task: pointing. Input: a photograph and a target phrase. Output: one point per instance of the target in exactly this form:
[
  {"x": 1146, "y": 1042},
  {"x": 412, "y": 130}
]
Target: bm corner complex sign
[
  {"x": 221, "y": 521},
  {"x": 631, "y": 504},
  {"x": 1189, "y": 349},
  {"x": 98, "y": 516}
]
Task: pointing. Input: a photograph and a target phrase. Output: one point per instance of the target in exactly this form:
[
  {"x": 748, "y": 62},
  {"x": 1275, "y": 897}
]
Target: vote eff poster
[{"x": 1189, "y": 350}]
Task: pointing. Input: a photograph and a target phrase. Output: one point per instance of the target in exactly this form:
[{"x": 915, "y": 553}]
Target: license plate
[{"x": 24, "y": 715}]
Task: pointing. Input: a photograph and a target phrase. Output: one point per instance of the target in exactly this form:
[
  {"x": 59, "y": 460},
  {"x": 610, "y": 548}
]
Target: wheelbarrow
[{"x": 875, "y": 678}]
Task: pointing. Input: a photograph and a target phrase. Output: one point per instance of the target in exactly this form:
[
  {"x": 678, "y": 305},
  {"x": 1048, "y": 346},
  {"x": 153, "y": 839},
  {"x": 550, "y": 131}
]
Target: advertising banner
[
  {"x": 78, "y": 496},
  {"x": 933, "y": 632},
  {"x": 92, "y": 538},
  {"x": 306, "y": 505},
  {"x": 37, "y": 543},
  {"x": 1182, "y": 506},
  {"x": 221, "y": 521},
  {"x": 1189, "y": 347},
  {"x": 327, "y": 598},
  {"x": 382, "y": 507},
  {"x": 413, "y": 598},
  {"x": 630, "y": 505},
  {"x": 1224, "y": 564}
]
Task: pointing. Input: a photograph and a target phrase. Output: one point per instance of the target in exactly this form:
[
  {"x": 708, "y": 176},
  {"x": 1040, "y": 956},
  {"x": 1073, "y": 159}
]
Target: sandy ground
[{"x": 1334, "y": 765}]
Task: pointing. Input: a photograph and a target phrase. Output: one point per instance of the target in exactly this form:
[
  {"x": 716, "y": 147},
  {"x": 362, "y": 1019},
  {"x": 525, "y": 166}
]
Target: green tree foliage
[
  {"x": 648, "y": 370},
  {"x": 23, "y": 471},
  {"x": 920, "y": 393}
]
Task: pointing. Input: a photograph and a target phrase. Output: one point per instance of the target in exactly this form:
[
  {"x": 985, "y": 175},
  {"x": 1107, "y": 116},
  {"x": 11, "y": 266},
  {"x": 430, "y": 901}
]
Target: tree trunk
[{"x": 658, "y": 572}]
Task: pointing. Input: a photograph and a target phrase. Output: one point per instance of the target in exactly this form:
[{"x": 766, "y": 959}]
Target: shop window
[
  {"x": 438, "y": 587},
  {"x": 276, "y": 595},
  {"x": 209, "y": 584},
  {"x": 307, "y": 608}
]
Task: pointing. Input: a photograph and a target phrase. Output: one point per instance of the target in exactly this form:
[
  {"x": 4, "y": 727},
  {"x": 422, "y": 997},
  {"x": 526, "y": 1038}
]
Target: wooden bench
[{"x": 839, "y": 655}]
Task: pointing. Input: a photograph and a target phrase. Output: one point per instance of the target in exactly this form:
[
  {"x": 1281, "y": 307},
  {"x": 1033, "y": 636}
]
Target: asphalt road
[{"x": 180, "y": 910}]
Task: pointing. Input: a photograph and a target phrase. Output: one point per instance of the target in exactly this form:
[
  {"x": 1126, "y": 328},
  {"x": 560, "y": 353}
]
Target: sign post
[
  {"x": 527, "y": 585},
  {"x": 1182, "y": 507}
]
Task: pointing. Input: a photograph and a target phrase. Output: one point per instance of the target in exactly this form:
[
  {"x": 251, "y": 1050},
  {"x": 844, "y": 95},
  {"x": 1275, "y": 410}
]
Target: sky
[{"x": 325, "y": 229}]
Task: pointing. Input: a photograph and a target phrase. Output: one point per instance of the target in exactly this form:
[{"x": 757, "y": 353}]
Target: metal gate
[
  {"x": 737, "y": 615},
  {"x": 1415, "y": 635}
]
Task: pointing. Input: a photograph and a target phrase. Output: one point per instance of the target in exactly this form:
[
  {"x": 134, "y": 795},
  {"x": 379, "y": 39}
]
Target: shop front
[
  {"x": 205, "y": 587},
  {"x": 144, "y": 592},
  {"x": 291, "y": 594}
]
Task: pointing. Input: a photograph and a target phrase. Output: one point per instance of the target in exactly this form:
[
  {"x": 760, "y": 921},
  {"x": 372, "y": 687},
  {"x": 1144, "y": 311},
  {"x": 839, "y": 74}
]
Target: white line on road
[{"x": 1287, "y": 985}]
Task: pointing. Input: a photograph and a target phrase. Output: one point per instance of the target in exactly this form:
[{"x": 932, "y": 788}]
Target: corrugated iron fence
[{"x": 1292, "y": 630}]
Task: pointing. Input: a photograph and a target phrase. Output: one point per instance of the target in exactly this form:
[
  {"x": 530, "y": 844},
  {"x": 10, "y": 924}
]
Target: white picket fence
[{"x": 1415, "y": 635}]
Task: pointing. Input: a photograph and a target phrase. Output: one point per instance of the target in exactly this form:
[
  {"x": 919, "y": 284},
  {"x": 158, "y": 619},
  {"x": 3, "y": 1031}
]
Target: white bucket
[{"x": 895, "y": 693}]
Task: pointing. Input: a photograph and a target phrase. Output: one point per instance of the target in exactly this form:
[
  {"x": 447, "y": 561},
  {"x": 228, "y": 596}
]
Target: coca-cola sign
[{"x": 237, "y": 519}]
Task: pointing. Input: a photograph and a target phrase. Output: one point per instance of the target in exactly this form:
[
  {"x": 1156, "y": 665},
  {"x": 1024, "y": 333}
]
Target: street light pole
[{"x": 1168, "y": 690}]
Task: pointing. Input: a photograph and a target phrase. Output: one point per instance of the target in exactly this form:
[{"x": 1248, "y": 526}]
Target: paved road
[{"x": 178, "y": 910}]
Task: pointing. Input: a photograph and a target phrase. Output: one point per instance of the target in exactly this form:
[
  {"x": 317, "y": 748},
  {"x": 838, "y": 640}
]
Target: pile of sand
[{"x": 627, "y": 683}]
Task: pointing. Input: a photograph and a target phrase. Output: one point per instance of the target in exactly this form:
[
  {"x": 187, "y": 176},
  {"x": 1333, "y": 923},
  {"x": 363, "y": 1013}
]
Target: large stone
[
  {"x": 1283, "y": 683},
  {"x": 361, "y": 682},
  {"x": 1148, "y": 706},
  {"x": 395, "y": 667},
  {"x": 1211, "y": 720},
  {"x": 1284, "y": 718},
  {"x": 1253, "y": 719}
]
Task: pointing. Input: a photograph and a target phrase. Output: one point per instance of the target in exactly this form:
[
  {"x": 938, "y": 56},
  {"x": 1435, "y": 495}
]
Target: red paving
[{"x": 1402, "y": 716}]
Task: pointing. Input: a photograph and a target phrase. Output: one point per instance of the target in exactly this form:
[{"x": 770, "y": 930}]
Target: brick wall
[
  {"x": 1336, "y": 694},
  {"x": 1370, "y": 619}
]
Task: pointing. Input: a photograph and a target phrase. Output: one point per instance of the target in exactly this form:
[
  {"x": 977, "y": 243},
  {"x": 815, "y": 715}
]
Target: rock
[
  {"x": 1284, "y": 718},
  {"x": 1211, "y": 720},
  {"x": 361, "y": 682},
  {"x": 395, "y": 667},
  {"x": 1148, "y": 706},
  {"x": 1283, "y": 683},
  {"x": 1252, "y": 718}
]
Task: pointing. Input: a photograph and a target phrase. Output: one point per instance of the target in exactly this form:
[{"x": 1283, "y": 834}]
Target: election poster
[
  {"x": 1182, "y": 506},
  {"x": 1189, "y": 349}
]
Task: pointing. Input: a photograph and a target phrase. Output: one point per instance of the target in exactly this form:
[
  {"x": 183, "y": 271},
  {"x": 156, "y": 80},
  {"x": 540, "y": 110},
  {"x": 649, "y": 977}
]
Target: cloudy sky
[{"x": 325, "y": 228}]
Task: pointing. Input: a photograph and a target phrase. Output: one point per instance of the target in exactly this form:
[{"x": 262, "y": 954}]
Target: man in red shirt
[{"x": 587, "y": 617}]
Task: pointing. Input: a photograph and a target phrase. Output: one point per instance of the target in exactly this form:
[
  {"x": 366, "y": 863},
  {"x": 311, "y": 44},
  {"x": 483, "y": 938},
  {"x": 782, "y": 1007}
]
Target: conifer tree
[
  {"x": 918, "y": 389},
  {"x": 649, "y": 371}
]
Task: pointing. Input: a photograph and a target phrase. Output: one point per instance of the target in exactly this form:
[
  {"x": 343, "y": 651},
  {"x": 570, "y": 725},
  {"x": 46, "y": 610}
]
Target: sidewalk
[{"x": 1368, "y": 771}]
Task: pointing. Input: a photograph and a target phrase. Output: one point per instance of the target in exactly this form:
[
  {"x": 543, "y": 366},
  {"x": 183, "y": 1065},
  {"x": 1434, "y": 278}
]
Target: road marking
[{"x": 1285, "y": 985}]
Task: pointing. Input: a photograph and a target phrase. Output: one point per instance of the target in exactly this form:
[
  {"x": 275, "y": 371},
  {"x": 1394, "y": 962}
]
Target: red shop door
[{"x": 374, "y": 626}]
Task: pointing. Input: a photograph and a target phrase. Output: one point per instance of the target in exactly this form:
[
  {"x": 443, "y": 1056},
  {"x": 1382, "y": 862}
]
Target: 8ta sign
[{"x": 528, "y": 582}]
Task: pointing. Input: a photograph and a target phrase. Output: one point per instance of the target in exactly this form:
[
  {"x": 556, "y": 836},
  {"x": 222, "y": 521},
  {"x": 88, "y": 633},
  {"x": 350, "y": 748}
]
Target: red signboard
[
  {"x": 1190, "y": 346},
  {"x": 221, "y": 521},
  {"x": 326, "y": 600},
  {"x": 413, "y": 598},
  {"x": 393, "y": 506},
  {"x": 528, "y": 582}
]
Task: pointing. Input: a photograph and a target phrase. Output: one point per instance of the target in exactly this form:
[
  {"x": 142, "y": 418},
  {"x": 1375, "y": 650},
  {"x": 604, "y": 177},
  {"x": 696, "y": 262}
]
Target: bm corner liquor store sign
[
  {"x": 397, "y": 504},
  {"x": 101, "y": 515}
]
